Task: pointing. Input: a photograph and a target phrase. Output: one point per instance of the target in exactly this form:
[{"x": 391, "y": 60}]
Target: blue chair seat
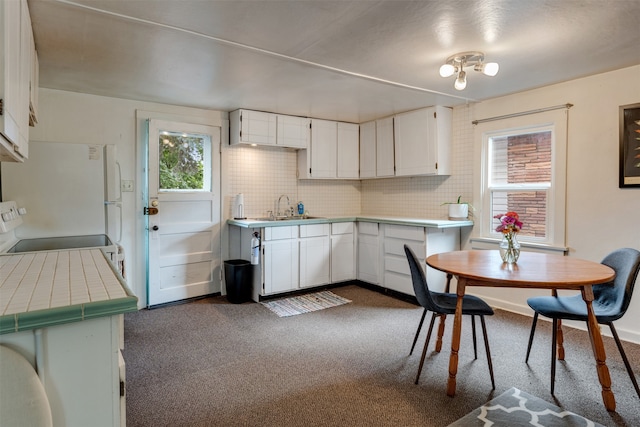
[
  {"x": 574, "y": 308},
  {"x": 471, "y": 305}
]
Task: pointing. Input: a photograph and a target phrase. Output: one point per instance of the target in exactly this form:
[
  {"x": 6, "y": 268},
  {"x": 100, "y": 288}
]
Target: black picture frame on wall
[{"x": 629, "y": 146}]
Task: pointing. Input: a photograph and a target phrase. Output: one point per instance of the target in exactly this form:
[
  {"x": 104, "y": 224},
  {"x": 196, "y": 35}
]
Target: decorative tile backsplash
[{"x": 262, "y": 174}]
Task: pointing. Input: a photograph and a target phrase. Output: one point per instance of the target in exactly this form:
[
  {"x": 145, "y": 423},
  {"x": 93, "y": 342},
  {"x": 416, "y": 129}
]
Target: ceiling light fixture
[{"x": 455, "y": 64}]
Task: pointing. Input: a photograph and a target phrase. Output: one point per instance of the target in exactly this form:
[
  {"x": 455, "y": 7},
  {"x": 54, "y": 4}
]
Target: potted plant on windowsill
[{"x": 458, "y": 210}]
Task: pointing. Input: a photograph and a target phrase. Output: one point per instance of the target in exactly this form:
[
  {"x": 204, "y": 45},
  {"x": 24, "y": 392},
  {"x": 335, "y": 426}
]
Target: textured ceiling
[{"x": 342, "y": 60}]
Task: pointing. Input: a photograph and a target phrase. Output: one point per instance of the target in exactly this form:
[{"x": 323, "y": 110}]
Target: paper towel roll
[{"x": 238, "y": 207}]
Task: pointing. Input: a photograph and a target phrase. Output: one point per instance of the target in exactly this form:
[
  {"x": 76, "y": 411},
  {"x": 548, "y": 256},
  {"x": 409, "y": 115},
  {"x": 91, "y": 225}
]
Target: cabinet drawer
[
  {"x": 396, "y": 247},
  {"x": 370, "y": 228},
  {"x": 279, "y": 233},
  {"x": 314, "y": 230},
  {"x": 404, "y": 232},
  {"x": 342, "y": 228}
]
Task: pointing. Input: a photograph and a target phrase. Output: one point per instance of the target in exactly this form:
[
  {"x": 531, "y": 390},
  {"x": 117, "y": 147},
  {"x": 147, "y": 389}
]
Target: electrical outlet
[{"x": 126, "y": 185}]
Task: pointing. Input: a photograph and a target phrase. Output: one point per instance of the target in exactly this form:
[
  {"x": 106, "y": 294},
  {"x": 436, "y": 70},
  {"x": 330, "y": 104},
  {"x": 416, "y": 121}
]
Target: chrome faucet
[{"x": 278, "y": 212}]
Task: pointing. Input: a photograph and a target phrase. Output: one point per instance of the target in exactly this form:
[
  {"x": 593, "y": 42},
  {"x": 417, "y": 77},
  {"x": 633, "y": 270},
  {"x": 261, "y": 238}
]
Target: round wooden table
[{"x": 533, "y": 271}]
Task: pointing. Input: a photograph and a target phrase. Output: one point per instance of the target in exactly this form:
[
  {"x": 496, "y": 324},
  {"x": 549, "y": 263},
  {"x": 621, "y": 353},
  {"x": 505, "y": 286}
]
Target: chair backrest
[
  {"x": 626, "y": 263},
  {"x": 420, "y": 287}
]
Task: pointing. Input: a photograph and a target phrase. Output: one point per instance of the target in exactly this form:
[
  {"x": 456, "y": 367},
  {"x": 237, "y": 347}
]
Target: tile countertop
[
  {"x": 41, "y": 289},
  {"x": 420, "y": 222}
]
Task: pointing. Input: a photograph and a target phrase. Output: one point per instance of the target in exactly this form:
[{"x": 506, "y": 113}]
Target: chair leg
[
  {"x": 533, "y": 331},
  {"x": 426, "y": 344},
  {"x": 415, "y": 339},
  {"x": 624, "y": 358},
  {"x": 443, "y": 317},
  {"x": 553, "y": 355},
  {"x": 473, "y": 331},
  {"x": 486, "y": 346}
]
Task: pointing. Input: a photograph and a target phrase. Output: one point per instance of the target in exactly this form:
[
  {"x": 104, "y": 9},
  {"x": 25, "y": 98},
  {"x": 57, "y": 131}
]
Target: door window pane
[{"x": 184, "y": 162}]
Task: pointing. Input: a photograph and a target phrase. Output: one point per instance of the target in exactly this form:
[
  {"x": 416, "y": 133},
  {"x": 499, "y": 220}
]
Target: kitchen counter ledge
[
  {"x": 420, "y": 222},
  {"x": 42, "y": 289}
]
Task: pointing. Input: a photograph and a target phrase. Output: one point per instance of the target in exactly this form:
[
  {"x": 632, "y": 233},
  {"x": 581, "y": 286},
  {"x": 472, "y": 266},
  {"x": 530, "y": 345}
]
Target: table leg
[
  {"x": 598, "y": 351},
  {"x": 443, "y": 317},
  {"x": 455, "y": 341}
]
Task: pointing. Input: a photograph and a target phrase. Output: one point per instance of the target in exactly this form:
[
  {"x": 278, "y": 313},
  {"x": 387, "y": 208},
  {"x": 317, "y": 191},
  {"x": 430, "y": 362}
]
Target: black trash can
[{"x": 238, "y": 276}]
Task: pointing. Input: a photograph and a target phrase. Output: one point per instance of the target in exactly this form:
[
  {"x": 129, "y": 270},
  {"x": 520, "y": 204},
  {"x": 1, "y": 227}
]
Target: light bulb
[
  {"x": 447, "y": 70},
  {"x": 461, "y": 81},
  {"x": 491, "y": 68}
]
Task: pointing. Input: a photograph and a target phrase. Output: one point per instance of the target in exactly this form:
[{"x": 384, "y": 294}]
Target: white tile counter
[{"x": 41, "y": 289}]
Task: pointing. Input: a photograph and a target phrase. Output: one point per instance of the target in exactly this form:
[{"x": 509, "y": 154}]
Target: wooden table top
[{"x": 533, "y": 269}]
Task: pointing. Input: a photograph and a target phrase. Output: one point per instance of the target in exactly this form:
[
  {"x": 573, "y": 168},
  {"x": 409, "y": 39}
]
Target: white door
[{"x": 184, "y": 257}]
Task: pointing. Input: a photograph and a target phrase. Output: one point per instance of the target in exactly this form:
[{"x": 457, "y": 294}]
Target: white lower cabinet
[
  {"x": 81, "y": 369},
  {"x": 302, "y": 256},
  {"x": 368, "y": 252},
  {"x": 397, "y": 275},
  {"x": 315, "y": 250},
  {"x": 280, "y": 259},
  {"x": 424, "y": 241},
  {"x": 343, "y": 251}
]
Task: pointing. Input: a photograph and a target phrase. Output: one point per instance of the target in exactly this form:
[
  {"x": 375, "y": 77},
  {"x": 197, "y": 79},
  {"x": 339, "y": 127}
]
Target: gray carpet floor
[{"x": 211, "y": 363}]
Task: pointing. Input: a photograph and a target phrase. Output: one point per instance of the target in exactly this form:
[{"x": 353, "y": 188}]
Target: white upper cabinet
[
  {"x": 323, "y": 149},
  {"x": 16, "y": 56},
  {"x": 333, "y": 151},
  {"x": 385, "y": 156},
  {"x": 292, "y": 131},
  {"x": 262, "y": 128},
  {"x": 348, "y": 150},
  {"x": 368, "y": 150},
  {"x": 252, "y": 127},
  {"x": 423, "y": 142}
]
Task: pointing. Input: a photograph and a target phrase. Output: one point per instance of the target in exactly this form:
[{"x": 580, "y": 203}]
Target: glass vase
[{"x": 509, "y": 248}]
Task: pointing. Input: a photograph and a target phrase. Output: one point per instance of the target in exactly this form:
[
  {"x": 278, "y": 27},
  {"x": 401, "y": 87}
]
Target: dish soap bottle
[{"x": 300, "y": 208}]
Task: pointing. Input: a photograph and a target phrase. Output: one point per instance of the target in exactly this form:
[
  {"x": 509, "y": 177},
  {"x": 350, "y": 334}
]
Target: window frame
[{"x": 554, "y": 121}]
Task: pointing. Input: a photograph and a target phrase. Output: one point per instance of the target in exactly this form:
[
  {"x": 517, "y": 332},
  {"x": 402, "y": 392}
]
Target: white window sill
[{"x": 491, "y": 243}]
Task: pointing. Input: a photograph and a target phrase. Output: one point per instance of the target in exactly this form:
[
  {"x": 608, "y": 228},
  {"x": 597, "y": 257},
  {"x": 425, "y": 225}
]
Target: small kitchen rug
[
  {"x": 516, "y": 408},
  {"x": 305, "y": 303}
]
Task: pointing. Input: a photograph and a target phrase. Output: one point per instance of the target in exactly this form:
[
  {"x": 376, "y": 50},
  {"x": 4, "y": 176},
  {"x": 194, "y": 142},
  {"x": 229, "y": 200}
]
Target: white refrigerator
[{"x": 67, "y": 190}]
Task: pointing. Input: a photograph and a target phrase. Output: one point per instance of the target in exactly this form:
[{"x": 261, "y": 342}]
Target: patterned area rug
[
  {"x": 517, "y": 408},
  {"x": 305, "y": 303}
]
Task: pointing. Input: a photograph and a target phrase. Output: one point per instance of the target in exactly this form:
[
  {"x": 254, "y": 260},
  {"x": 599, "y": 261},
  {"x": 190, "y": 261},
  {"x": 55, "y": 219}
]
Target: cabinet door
[
  {"x": 258, "y": 127},
  {"x": 280, "y": 266},
  {"x": 314, "y": 261},
  {"x": 324, "y": 143},
  {"x": 343, "y": 266},
  {"x": 368, "y": 253},
  {"x": 385, "y": 155},
  {"x": 414, "y": 147},
  {"x": 293, "y": 131},
  {"x": 368, "y": 150},
  {"x": 348, "y": 152},
  {"x": 26, "y": 36},
  {"x": 10, "y": 76}
]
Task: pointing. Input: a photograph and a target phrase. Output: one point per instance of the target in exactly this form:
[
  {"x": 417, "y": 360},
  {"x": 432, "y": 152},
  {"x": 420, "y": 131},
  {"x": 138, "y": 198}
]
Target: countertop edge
[
  {"x": 47, "y": 317},
  {"x": 420, "y": 222}
]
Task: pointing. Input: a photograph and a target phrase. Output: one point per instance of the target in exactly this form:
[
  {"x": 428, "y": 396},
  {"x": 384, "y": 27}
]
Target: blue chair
[
  {"x": 441, "y": 304},
  {"x": 610, "y": 304}
]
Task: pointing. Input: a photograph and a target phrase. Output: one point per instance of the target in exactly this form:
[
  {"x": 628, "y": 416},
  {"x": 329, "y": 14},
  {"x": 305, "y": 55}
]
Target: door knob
[{"x": 155, "y": 228}]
